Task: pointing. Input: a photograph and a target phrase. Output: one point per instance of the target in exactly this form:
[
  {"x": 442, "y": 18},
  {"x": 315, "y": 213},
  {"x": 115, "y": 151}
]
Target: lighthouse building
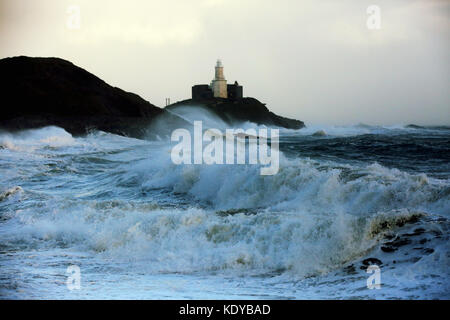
[
  {"x": 218, "y": 87},
  {"x": 219, "y": 84}
]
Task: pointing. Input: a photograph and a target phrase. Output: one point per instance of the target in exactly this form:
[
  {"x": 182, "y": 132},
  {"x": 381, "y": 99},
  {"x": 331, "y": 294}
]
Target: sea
[{"x": 354, "y": 212}]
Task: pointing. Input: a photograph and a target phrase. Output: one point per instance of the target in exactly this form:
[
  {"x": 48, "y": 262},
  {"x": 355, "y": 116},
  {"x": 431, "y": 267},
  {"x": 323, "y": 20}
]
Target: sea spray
[
  {"x": 140, "y": 226},
  {"x": 189, "y": 150}
]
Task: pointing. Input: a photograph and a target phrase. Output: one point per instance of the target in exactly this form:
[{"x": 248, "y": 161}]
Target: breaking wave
[
  {"x": 300, "y": 185},
  {"x": 123, "y": 201}
]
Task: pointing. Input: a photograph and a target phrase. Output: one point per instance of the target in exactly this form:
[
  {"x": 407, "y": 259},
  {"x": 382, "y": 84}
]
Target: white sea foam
[
  {"x": 30, "y": 140},
  {"x": 350, "y": 130},
  {"x": 310, "y": 219},
  {"x": 193, "y": 240},
  {"x": 300, "y": 184}
]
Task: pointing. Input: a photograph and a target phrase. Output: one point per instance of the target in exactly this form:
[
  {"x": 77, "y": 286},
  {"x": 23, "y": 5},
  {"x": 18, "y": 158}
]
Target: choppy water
[{"x": 139, "y": 226}]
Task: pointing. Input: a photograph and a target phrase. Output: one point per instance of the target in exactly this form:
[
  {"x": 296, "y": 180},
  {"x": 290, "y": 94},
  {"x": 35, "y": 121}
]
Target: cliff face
[
  {"x": 38, "y": 92},
  {"x": 241, "y": 110}
]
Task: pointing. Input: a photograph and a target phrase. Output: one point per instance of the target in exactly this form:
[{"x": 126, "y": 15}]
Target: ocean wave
[
  {"x": 312, "y": 217},
  {"x": 48, "y": 141},
  {"x": 301, "y": 184},
  {"x": 299, "y": 244},
  {"x": 30, "y": 140},
  {"x": 361, "y": 129}
]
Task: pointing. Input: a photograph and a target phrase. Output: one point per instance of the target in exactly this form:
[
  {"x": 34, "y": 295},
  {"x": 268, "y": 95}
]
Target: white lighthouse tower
[{"x": 219, "y": 84}]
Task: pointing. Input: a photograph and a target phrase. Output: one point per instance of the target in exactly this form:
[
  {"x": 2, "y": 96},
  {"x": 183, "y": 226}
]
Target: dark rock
[
  {"x": 39, "y": 92},
  {"x": 234, "y": 112},
  {"x": 320, "y": 133},
  {"x": 370, "y": 261}
]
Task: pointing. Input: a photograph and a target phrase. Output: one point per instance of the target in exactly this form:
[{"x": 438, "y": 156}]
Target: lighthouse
[
  {"x": 219, "y": 83},
  {"x": 218, "y": 88}
]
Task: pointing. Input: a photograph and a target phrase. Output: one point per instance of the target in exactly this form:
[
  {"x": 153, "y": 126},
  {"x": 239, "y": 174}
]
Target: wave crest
[{"x": 300, "y": 184}]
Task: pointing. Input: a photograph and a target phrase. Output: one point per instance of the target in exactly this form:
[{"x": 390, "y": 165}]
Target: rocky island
[
  {"x": 228, "y": 103},
  {"x": 40, "y": 92},
  {"x": 234, "y": 112}
]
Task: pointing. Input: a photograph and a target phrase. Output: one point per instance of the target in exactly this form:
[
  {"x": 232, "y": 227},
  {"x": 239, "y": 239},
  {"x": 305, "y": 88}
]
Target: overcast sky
[{"x": 314, "y": 60}]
